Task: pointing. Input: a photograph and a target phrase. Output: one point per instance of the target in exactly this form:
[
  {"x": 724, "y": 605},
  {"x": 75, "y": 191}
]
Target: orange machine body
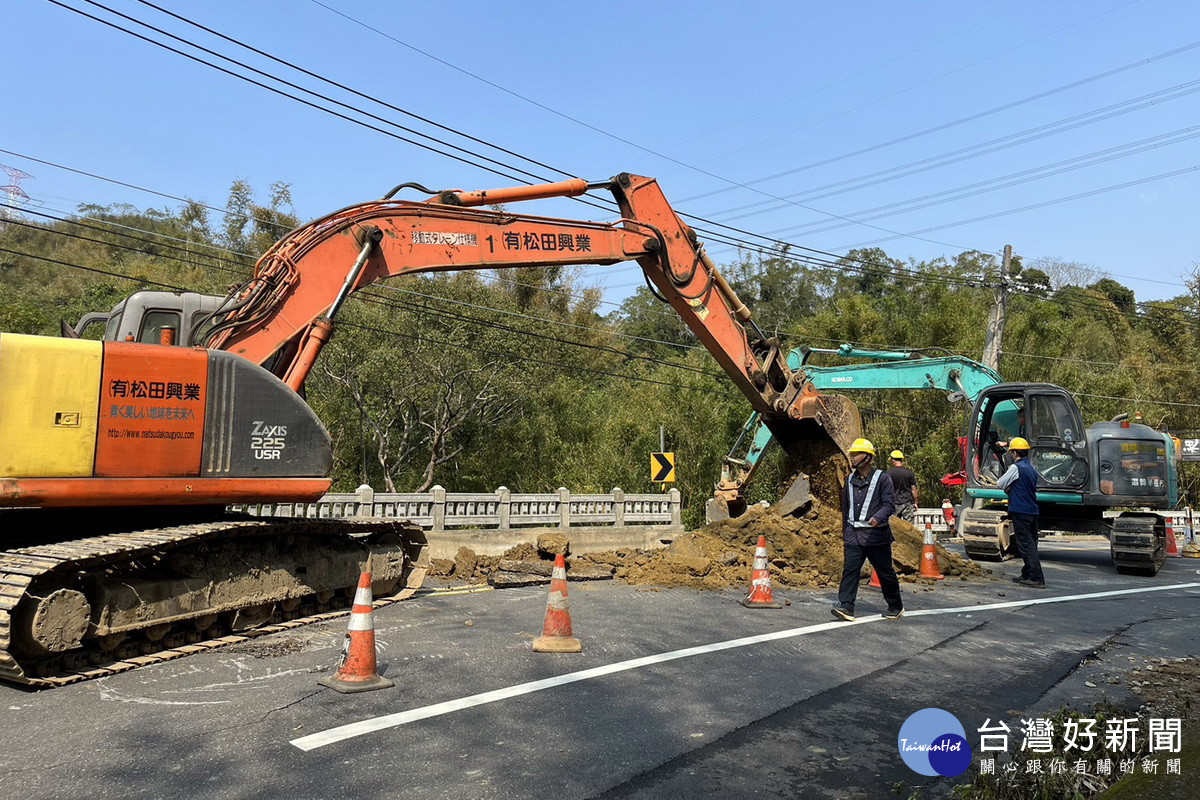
[{"x": 86, "y": 423}]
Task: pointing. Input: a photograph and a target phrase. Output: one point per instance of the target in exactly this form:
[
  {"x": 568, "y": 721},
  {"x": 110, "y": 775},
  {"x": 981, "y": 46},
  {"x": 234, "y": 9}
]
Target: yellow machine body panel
[{"x": 49, "y": 395}]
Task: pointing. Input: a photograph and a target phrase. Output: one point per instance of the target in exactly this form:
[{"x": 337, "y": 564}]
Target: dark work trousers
[
  {"x": 1025, "y": 530},
  {"x": 880, "y": 556}
]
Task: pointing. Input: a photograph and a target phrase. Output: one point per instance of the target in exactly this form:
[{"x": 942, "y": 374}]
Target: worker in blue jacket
[
  {"x": 868, "y": 499},
  {"x": 1020, "y": 484}
]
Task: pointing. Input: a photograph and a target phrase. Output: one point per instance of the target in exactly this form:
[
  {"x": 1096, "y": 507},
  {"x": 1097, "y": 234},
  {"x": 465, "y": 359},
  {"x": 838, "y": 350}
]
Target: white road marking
[{"x": 343, "y": 732}]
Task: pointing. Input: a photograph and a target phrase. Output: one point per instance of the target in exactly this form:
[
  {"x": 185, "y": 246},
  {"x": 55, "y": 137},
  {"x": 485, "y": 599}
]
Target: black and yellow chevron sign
[{"x": 662, "y": 467}]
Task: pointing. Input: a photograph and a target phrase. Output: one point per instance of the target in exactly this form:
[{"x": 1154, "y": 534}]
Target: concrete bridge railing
[{"x": 439, "y": 510}]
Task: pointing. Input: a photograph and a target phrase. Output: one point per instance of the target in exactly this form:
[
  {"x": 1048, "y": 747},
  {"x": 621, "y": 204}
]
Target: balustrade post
[
  {"x": 438, "y": 495},
  {"x": 564, "y": 507},
  {"x": 366, "y": 497},
  {"x": 505, "y": 507}
]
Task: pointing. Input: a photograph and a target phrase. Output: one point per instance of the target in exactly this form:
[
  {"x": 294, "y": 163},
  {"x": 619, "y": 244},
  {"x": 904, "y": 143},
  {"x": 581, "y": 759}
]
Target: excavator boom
[{"x": 283, "y": 315}]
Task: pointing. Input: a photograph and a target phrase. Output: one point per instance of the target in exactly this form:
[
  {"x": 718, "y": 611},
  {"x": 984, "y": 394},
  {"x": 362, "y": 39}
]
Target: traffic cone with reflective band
[
  {"x": 1172, "y": 545},
  {"x": 357, "y": 671},
  {"x": 929, "y": 559},
  {"x": 948, "y": 514},
  {"x": 875, "y": 579},
  {"x": 557, "y": 636},
  {"x": 760, "y": 580}
]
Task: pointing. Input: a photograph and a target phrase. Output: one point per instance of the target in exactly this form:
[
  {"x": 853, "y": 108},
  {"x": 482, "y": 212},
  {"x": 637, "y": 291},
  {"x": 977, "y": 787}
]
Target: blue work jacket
[
  {"x": 879, "y": 506},
  {"x": 1020, "y": 484}
]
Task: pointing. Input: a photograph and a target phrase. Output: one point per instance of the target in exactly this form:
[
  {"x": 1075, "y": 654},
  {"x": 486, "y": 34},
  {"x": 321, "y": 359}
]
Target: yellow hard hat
[
  {"x": 1018, "y": 443},
  {"x": 898, "y": 454},
  {"x": 862, "y": 446}
]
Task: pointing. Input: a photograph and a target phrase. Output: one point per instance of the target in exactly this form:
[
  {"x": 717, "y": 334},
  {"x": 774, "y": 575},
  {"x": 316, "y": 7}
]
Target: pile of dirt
[
  {"x": 523, "y": 565},
  {"x": 804, "y": 552}
]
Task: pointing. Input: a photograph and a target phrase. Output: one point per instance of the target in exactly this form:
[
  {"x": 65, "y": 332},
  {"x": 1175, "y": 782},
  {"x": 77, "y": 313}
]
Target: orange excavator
[{"x": 118, "y": 457}]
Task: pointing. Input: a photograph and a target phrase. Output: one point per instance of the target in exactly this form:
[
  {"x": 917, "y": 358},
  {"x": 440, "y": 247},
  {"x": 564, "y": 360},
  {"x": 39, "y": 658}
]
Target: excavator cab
[
  {"x": 144, "y": 316},
  {"x": 1086, "y": 475},
  {"x": 1044, "y": 414}
]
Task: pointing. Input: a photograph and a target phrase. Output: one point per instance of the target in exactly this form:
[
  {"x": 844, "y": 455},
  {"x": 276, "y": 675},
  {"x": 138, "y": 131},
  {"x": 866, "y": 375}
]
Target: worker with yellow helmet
[
  {"x": 904, "y": 483},
  {"x": 868, "y": 499},
  {"x": 1020, "y": 484}
]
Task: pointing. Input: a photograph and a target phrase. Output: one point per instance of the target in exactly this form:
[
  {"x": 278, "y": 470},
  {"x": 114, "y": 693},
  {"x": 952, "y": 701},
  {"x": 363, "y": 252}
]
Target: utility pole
[{"x": 995, "y": 326}]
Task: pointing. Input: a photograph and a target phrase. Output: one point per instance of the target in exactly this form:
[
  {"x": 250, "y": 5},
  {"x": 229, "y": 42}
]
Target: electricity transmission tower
[{"x": 15, "y": 196}]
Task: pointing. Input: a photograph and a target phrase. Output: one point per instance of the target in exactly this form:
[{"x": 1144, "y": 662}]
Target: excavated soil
[
  {"x": 804, "y": 551},
  {"x": 469, "y": 566}
]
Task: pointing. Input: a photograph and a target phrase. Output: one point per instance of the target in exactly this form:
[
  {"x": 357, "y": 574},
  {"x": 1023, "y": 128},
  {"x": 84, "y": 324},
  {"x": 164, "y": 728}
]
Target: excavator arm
[
  {"x": 282, "y": 317},
  {"x": 960, "y": 378}
]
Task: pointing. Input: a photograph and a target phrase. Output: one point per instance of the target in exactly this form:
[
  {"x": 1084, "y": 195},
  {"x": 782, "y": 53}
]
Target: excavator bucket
[
  {"x": 842, "y": 421},
  {"x": 817, "y": 445},
  {"x": 795, "y": 497}
]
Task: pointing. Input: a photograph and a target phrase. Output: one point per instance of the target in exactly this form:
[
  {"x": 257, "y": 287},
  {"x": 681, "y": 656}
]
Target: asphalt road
[{"x": 812, "y": 711}]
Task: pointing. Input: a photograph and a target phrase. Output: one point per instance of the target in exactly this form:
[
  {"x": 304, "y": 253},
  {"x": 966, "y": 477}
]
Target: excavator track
[
  {"x": 85, "y": 608},
  {"x": 1138, "y": 543},
  {"x": 986, "y": 535}
]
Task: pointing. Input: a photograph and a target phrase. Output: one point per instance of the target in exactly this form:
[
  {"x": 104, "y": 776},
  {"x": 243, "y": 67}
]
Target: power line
[
  {"x": 99, "y": 229},
  {"x": 497, "y": 276},
  {"x": 983, "y": 148},
  {"x": 1006, "y": 181},
  {"x": 1116, "y": 364},
  {"x": 1043, "y": 204},
  {"x": 831, "y": 260},
  {"x": 1093, "y": 305},
  {"x": 963, "y": 120},
  {"x": 923, "y": 83},
  {"x": 507, "y": 354},
  {"x": 373, "y": 127},
  {"x": 1138, "y": 400},
  {"x": 149, "y": 282},
  {"x": 330, "y": 82},
  {"x": 376, "y": 299},
  {"x": 144, "y": 281},
  {"x": 559, "y": 365},
  {"x": 265, "y": 74}
]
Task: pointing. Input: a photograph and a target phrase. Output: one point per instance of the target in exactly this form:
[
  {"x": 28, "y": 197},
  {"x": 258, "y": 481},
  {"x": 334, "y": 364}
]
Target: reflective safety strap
[{"x": 858, "y": 519}]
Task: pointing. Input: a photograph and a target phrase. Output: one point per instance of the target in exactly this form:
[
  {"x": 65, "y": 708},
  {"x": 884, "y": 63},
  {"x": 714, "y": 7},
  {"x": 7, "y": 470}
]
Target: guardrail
[
  {"x": 936, "y": 521},
  {"x": 439, "y": 510},
  {"x": 1177, "y": 520}
]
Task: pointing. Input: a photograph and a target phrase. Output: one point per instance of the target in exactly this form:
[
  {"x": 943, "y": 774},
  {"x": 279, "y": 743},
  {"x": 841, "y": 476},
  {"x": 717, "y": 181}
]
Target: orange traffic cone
[
  {"x": 760, "y": 595},
  {"x": 557, "y": 636},
  {"x": 357, "y": 671},
  {"x": 1172, "y": 545},
  {"x": 875, "y": 579},
  {"x": 929, "y": 559}
]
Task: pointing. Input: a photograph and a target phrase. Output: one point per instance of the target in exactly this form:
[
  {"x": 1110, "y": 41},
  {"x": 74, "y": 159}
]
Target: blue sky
[{"x": 791, "y": 119}]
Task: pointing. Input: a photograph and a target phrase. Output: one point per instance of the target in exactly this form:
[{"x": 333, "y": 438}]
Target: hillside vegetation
[{"x": 526, "y": 379}]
